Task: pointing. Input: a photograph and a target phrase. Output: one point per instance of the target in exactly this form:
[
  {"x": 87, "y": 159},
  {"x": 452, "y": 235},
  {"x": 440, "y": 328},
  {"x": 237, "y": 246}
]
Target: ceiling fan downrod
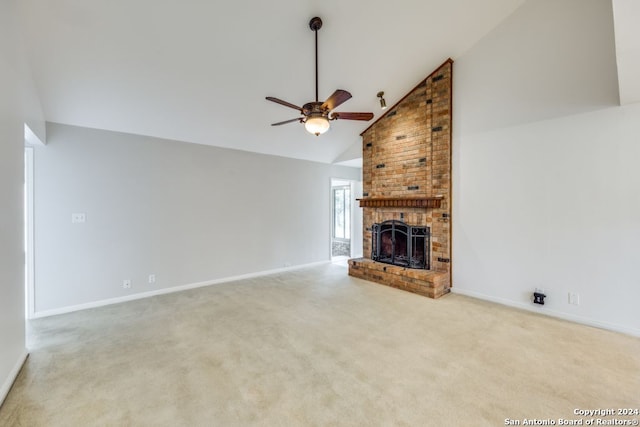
[{"x": 315, "y": 24}]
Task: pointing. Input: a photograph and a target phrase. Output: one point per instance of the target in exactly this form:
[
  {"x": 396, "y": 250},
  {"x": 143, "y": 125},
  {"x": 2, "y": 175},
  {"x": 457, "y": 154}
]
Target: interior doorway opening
[{"x": 346, "y": 220}]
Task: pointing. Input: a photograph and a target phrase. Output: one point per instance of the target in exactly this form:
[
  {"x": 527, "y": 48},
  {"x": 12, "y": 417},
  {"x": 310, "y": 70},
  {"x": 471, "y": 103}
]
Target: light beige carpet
[{"x": 315, "y": 347}]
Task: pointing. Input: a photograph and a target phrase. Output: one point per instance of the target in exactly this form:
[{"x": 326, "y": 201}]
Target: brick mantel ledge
[{"x": 397, "y": 202}]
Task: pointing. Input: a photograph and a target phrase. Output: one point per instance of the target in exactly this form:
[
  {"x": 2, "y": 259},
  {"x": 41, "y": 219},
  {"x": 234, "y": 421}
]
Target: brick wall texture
[{"x": 407, "y": 154}]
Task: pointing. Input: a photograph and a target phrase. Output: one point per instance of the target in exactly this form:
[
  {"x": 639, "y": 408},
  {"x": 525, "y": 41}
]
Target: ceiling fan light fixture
[{"x": 317, "y": 124}]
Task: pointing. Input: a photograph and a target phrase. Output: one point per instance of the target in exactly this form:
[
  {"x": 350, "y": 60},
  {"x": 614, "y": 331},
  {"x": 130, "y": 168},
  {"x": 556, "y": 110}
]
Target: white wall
[
  {"x": 546, "y": 181},
  {"x": 356, "y": 219},
  {"x": 627, "y": 14},
  {"x": 548, "y": 59},
  {"x": 184, "y": 212},
  {"x": 17, "y": 106}
]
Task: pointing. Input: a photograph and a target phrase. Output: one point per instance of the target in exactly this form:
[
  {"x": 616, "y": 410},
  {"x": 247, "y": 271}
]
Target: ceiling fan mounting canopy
[
  {"x": 316, "y": 115},
  {"x": 315, "y": 24}
]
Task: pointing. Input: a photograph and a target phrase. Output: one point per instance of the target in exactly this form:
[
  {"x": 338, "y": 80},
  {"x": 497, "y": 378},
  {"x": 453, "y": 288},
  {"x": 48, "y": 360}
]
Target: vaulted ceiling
[{"x": 199, "y": 71}]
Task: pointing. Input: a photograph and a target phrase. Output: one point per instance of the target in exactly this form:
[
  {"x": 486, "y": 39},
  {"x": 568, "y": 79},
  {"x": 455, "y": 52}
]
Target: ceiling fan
[{"x": 316, "y": 115}]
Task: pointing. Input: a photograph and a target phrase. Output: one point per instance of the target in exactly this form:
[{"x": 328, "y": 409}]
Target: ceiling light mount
[
  {"x": 383, "y": 103},
  {"x": 315, "y": 24}
]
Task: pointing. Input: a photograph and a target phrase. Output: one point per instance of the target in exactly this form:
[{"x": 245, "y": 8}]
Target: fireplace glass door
[{"x": 397, "y": 243}]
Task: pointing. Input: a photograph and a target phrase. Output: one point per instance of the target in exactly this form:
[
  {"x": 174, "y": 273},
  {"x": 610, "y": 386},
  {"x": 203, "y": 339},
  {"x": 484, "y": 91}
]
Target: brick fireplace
[{"x": 406, "y": 172}]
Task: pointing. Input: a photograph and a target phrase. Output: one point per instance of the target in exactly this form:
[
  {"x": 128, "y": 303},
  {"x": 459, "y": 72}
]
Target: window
[{"x": 342, "y": 212}]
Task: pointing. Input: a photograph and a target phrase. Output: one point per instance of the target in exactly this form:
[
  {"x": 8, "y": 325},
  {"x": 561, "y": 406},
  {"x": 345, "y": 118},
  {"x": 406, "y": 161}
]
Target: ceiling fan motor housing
[{"x": 314, "y": 107}]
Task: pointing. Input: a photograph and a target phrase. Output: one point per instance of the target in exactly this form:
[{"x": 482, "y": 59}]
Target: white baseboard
[
  {"x": 4, "y": 390},
  {"x": 553, "y": 313},
  {"x": 141, "y": 295}
]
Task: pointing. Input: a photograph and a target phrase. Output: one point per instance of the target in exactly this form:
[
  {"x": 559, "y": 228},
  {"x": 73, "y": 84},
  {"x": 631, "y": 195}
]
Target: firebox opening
[{"x": 395, "y": 242}]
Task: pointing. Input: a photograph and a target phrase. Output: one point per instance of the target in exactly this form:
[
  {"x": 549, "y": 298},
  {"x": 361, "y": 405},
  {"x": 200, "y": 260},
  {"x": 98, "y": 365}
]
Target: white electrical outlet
[
  {"x": 78, "y": 218},
  {"x": 574, "y": 298},
  {"x": 152, "y": 278},
  {"x": 126, "y": 284}
]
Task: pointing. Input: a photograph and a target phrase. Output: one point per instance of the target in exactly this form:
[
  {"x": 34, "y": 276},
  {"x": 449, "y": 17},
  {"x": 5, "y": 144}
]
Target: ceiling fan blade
[
  {"x": 285, "y": 103},
  {"x": 352, "y": 116},
  {"x": 337, "y": 98},
  {"x": 286, "y": 121}
]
